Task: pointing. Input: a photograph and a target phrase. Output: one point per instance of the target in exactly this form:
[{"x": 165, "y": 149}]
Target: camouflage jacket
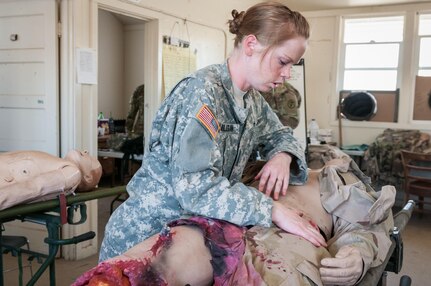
[
  {"x": 382, "y": 160},
  {"x": 361, "y": 217},
  {"x": 135, "y": 117},
  {"x": 203, "y": 164}
]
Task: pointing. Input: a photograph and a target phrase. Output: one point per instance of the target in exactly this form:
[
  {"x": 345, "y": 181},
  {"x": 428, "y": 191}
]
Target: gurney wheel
[{"x": 405, "y": 280}]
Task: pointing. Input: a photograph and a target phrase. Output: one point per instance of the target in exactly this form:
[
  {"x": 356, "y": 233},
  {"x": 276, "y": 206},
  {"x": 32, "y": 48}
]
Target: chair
[
  {"x": 14, "y": 244},
  {"x": 417, "y": 176}
]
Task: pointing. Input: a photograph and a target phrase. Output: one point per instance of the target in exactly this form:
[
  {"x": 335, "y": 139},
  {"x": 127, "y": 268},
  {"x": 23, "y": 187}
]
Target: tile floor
[{"x": 417, "y": 256}]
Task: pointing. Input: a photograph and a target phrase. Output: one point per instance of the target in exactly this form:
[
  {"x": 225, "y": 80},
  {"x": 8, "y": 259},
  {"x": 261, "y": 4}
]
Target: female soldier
[{"x": 205, "y": 131}]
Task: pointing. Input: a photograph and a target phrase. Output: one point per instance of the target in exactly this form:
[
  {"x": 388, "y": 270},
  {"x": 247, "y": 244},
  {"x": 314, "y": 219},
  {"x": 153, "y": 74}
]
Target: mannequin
[
  {"x": 192, "y": 251},
  {"x": 28, "y": 176}
]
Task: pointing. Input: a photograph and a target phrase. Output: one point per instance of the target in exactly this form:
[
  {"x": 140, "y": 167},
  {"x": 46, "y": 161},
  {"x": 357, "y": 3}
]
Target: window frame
[
  {"x": 418, "y": 40},
  {"x": 343, "y": 47}
]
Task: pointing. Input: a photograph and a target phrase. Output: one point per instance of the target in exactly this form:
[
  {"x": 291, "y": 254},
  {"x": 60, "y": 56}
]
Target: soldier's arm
[{"x": 277, "y": 138}]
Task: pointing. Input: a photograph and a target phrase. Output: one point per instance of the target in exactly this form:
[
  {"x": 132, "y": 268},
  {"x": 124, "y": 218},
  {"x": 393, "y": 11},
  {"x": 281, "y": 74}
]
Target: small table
[{"x": 108, "y": 165}]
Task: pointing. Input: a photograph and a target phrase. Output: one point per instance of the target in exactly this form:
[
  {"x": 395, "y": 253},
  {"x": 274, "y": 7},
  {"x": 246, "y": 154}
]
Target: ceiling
[{"x": 314, "y": 5}]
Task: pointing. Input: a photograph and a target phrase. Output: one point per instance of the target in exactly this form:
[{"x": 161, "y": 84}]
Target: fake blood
[
  {"x": 121, "y": 273},
  {"x": 127, "y": 272}
]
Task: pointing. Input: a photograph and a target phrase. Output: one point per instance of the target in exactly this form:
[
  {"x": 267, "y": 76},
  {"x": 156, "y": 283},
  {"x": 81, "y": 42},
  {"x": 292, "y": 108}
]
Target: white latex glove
[{"x": 344, "y": 269}]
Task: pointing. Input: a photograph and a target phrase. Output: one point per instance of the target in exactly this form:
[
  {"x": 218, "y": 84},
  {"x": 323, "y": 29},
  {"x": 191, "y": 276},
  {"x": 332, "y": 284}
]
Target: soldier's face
[{"x": 270, "y": 69}]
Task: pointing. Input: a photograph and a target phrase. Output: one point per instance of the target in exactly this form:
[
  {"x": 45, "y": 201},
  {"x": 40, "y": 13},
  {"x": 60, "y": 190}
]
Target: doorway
[{"x": 121, "y": 63}]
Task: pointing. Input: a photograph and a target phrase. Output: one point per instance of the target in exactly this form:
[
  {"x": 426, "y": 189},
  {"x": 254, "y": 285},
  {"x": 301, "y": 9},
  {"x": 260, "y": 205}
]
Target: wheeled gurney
[{"x": 54, "y": 213}]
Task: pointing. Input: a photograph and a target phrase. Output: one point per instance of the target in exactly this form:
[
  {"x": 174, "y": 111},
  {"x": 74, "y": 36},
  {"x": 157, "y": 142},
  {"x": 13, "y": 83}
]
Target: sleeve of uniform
[
  {"x": 197, "y": 175},
  {"x": 362, "y": 239},
  {"x": 278, "y": 138},
  {"x": 360, "y": 218}
]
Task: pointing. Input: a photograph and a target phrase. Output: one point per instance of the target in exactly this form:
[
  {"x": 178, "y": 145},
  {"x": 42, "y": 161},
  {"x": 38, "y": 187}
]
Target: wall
[
  {"x": 110, "y": 65},
  {"x": 120, "y": 63},
  {"x": 133, "y": 63},
  {"x": 321, "y": 60}
]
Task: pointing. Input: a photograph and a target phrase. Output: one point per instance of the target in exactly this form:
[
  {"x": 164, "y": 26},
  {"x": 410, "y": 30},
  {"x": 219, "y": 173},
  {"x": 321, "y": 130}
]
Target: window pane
[
  {"x": 372, "y": 56},
  {"x": 425, "y": 24},
  {"x": 424, "y": 73},
  {"x": 370, "y": 80},
  {"x": 425, "y": 53},
  {"x": 365, "y": 30}
]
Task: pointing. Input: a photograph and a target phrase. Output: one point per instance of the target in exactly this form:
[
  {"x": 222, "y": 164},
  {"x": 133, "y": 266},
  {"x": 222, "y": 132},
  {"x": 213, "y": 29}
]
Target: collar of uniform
[{"x": 226, "y": 79}]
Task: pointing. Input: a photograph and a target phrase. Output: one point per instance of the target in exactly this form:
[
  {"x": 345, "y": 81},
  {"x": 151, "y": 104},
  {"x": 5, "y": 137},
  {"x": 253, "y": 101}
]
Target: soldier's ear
[{"x": 250, "y": 44}]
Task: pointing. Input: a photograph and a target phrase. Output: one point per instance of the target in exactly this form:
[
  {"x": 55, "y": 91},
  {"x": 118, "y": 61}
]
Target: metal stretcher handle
[
  {"x": 73, "y": 240},
  {"x": 394, "y": 259},
  {"x": 402, "y": 217}
]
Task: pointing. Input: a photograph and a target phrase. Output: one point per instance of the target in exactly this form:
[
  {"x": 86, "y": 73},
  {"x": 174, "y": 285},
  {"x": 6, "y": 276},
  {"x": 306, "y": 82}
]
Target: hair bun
[{"x": 235, "y": 23}]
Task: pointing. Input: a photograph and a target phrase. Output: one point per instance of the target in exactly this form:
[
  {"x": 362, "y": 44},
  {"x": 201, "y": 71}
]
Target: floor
[{"x": 417, "y": 256}]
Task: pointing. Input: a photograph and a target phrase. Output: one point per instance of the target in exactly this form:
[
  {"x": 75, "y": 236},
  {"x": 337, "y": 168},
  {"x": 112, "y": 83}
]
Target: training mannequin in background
[{"x": 28, "y": 176}]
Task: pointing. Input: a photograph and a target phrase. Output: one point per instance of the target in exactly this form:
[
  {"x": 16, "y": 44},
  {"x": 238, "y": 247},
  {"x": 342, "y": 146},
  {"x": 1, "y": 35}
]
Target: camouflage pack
[{"x": 285, "y": 101}]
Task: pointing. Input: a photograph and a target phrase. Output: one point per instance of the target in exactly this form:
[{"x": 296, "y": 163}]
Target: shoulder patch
[{"x": 208, "y": 120}]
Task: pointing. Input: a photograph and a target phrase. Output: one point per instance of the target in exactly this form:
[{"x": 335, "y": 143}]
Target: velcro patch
[{"x": 206, "y": 117}]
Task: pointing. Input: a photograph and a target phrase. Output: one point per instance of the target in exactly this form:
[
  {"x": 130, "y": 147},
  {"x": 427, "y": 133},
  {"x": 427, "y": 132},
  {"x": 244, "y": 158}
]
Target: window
[
  {"x": 424, "y": 68},
  {"x": 371, "y": 48}
]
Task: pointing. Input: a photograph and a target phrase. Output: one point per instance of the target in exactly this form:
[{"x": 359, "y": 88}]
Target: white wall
[
  {"x": 321, "y": 60},
  {"x": 121, "y": 63},
  {"x": 133, "y": 63},
  {"x": 110, "y": 65}
]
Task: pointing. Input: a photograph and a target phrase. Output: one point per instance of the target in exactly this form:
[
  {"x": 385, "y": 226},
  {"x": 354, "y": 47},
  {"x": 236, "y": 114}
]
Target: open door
[
  {"x": 29, "y": 110},
  {"x": 29, "y": 97}
]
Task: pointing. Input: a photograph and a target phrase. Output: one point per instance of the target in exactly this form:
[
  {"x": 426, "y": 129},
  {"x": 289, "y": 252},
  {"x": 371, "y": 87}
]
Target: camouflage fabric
[
  {"x": 285, "y": 101},
  {"x": 135, "y": 117},
  {"x": 199, "y": 144},
  {"x": 382, "y": 160},
  {"x": 361, "y": 217}
]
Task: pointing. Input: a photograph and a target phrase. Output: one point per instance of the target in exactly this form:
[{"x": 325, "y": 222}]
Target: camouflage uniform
[
  {"x": 285, "y": 100},
  {"x": 135, "y": 117},
  {"x": 194, "y": 163},
  {"x": 361, "y": 217},
  {"x": 382, "y": 160}
]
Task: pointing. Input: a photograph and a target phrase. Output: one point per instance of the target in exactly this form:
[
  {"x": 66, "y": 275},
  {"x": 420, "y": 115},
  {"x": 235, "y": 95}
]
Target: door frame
[{"x": 79, "y": 102}]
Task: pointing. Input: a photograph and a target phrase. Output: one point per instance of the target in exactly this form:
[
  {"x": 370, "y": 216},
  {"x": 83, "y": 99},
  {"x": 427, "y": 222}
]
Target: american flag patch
[{"x": 206, "y": 117}]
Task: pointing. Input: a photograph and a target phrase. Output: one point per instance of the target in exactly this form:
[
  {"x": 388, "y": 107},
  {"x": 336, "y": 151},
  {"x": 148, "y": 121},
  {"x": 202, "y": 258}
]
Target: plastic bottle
[
  {"x": 100, "y": 116},
  {"x": 111, "y": 124},
  {"x": 313, "y": 129}
]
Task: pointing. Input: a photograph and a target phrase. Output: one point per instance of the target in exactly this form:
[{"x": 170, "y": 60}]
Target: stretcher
[
  {"x": 394, "y": 260},
  {"x": 53, "y": 214},
  {"x": 38, "y": 213}
]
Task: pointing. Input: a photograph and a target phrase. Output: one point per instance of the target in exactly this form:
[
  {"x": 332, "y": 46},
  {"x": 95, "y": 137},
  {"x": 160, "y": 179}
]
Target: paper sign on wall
[
  {"x": 86, "y": 63},
  {"x": 177, "y": 63}
]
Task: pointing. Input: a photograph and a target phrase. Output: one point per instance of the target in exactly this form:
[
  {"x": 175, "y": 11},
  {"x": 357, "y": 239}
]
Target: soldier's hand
[
  {"x": 291, "y": 221},
  {"x": 344, "y": 269},
  {"x": 274, "y": 176}
]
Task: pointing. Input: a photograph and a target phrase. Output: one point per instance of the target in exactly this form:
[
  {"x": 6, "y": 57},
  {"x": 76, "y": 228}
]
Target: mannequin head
[{"x": 90, "y": 168}]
